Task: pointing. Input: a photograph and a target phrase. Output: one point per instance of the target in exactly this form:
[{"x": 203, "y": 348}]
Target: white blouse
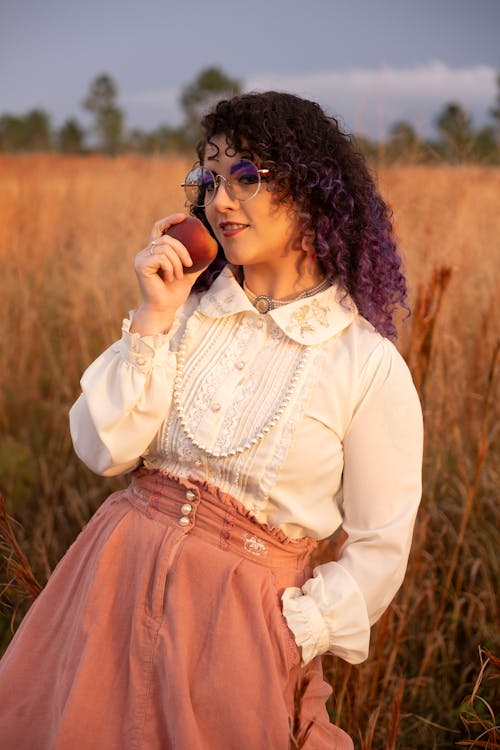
[{"x": 305, "y": 414}]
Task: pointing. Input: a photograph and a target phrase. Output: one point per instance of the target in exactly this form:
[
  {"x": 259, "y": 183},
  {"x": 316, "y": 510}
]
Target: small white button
[
  {"x": 216, "y": 406},
  {"x": 186, "y": 509},
  {"x": 184, "y": 521},
  {"x": 141, "y": 361},
  {"x": 190, "y": 495},
  {"x": 240, "y": 365}
]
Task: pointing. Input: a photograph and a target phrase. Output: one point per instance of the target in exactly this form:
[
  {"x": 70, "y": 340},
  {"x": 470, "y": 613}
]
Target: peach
[{"x": 197, "y": 240}]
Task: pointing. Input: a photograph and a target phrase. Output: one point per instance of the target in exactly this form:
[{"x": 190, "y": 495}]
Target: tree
[
  {"x": 37, "y": 130},
  {"x": 71, "y": 137},
  {"x": 495, "y": 111},
  {"x": 12, "y": 133},
  {"x": 29, "y": 132},
  {"x": 454, "y": 124},
  {"x": 486, "y": 147},
  {"x": 163, "y": 139},
  {"x": 101, "y": 101},
  {"x": 210, "y": 85},
  {"x": 403, "y": 142}
]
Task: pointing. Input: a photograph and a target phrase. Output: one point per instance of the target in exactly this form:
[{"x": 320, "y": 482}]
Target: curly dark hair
[{"x": 317, "y": 166}]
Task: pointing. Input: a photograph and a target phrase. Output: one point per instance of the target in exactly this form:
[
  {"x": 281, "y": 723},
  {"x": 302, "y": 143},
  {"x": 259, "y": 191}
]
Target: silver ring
[{"x": 153, "y": 244}]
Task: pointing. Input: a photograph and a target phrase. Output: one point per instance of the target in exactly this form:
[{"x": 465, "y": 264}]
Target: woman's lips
[{"x": 231, "y": 228}]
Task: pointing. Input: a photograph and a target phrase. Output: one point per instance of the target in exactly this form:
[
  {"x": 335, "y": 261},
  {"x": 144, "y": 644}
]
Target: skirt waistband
[{"x": 202, "y": 510}]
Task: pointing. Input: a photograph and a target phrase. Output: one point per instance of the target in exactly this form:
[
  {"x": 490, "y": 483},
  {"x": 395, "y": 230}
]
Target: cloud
[
  {"x": 369, "y": 100},
  {"x": 366, "y": 100}
]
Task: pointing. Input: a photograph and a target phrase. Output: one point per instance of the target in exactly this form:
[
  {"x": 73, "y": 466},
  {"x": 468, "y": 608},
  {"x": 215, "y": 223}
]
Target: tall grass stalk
[{"x": 69, "y": 229}]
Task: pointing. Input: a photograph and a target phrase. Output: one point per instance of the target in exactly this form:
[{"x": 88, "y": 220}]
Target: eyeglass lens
[{"x": 242, "y": 183}]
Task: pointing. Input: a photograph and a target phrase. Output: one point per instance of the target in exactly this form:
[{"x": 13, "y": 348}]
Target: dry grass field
[{"x": 69, "y": 229}]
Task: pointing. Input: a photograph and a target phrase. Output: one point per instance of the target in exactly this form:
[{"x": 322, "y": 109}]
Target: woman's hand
[{"x": 160, "y": 273}]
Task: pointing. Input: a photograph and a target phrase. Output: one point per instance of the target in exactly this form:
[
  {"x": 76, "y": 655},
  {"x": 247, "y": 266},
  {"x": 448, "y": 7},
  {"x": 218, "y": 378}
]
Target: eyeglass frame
[{"x": 218, "y": 178}]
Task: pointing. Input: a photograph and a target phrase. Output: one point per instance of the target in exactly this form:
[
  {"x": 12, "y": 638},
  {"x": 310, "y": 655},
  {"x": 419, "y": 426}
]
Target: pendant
[{"x": 263, "y": 303}]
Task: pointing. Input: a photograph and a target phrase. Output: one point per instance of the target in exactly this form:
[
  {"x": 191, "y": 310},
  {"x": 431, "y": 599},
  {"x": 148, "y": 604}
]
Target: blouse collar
[{"x": 310, "y": 320}]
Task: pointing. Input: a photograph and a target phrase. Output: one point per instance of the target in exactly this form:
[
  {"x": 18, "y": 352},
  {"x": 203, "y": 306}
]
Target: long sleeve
[
  {"x": 381, "y": 491},
  {"x": 126, "y": 394}
]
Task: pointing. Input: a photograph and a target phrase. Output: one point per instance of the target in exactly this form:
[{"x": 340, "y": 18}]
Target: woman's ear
[{"x": 307, "y": 245}]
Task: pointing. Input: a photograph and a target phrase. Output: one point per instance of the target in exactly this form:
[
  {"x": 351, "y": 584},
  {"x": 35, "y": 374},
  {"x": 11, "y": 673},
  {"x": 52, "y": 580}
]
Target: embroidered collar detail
[{"x": 310, "y": 320}]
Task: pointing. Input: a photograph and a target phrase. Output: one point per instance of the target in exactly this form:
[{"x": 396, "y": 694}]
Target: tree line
[{"x": 457, "y": 140}]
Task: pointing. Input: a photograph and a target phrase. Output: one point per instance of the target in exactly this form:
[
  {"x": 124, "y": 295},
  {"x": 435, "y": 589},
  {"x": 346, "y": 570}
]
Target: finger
[
  {"x": 165, "y": 259},
  {"x": 163, "y": 225},
  {"x": 171, "y": 257},
  {"x": 170, "y": 268},
  {"x": 150, "y": 265},
  {"x": 155, "y": 246},
  {"x": 170, "y": 243}
]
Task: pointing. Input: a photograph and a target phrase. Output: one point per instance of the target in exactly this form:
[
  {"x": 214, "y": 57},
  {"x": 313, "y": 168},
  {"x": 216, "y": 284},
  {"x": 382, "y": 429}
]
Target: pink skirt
[{"x": 161, "y": 629}]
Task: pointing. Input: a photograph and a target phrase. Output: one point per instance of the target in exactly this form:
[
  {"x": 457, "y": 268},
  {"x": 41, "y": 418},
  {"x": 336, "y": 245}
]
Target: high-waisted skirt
[{"x": 161, "y": 629}]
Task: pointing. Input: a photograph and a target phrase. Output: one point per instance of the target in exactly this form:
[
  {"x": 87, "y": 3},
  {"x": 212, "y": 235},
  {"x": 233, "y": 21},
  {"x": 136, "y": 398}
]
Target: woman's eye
[
  {"x": 248, "y": 179},
  {"x": 207, "y": 184}
]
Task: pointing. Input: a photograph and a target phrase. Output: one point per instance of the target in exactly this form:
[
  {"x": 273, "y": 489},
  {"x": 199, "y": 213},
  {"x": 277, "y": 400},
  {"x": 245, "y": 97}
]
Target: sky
[{"x": 368, "y": 62}]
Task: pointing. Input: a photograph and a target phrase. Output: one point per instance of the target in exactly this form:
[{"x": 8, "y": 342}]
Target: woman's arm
[
  {"x": 126, "y": 392},
  {"x": 126, "y": 395},
  {"x": 381, "y": 491}
]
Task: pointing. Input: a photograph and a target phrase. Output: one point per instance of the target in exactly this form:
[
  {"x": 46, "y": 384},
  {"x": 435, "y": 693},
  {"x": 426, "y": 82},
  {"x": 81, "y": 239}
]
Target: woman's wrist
[{"x": 148, "y": 322}]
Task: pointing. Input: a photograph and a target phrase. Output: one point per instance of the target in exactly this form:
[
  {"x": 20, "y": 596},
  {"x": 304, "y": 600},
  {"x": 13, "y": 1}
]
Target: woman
[{"x": 260, "y": 405}]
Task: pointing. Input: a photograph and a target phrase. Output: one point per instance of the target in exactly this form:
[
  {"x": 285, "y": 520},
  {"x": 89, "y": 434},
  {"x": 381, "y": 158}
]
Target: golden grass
[{"x": 69, "y": 229}]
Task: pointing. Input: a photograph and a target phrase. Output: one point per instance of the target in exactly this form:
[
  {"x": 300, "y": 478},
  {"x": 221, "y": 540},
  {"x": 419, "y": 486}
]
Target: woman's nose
[{"x": 223, "y": 199}]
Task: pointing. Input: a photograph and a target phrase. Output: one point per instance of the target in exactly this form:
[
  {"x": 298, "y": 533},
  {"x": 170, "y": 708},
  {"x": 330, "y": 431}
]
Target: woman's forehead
[{"x": 220, "y": 145}]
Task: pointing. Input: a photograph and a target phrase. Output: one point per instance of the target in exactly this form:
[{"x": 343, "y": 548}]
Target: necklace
[
  {"x": 251, "y": 441},
  {"x": 263, "y": 303}
]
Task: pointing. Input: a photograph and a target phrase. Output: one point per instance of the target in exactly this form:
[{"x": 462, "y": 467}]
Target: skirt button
[
  {"x": 184, "y": 521},
  {"x": 190, "y": 495},
  {"x": 186, "y": 509}
]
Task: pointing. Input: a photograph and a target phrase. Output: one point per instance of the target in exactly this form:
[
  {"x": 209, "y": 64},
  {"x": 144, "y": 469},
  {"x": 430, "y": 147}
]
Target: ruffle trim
[
  {"x": 343, "y": 608},
  {"x": 143, "y": 351},
  {"x": 306, "y": 623}
]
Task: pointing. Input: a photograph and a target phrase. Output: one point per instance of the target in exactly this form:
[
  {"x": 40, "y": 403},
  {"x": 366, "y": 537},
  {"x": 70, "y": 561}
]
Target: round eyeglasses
[{"x": 242, "y": 183}]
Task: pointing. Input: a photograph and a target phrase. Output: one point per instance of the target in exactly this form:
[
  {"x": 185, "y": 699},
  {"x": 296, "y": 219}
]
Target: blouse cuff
[
  {"x": 144, "y": 351},
  {"x": 329, "y": 614},
  {"x": 306, "y": 623}
]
